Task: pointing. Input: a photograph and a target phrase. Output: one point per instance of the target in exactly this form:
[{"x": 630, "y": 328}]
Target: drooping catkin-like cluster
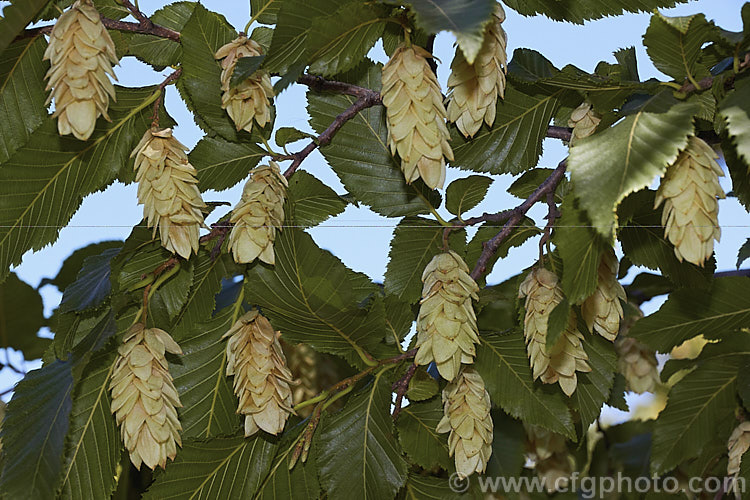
[
  {"x": 602, "y": 311},
  {"x": 466, "y": 415},
  {"x": 261, "y": 377},
  {"x": 416, "y": 116},
  {"x": 81, "y": 55},
  {"x": 168, "y": 191},
  {"x": 549, "y": 453},
  {"x": 584, "y": 121},
  {"x": 560, "y": 363},
  {"x": 447, "y": 324},
  {"x": 638, "y": 364},
  {"x": 738, "y": 444},
  {"x": 689, "y": 191},
  {"x": 257, "y": 216},
  {"x": 144, "y": 399},
  {"x": 474, "y": 88},
  {"x": 250, "y": 100}
]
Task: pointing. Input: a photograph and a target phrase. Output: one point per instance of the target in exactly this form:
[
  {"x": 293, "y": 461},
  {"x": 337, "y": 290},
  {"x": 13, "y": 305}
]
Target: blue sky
[{"x": 365, "y": 248}]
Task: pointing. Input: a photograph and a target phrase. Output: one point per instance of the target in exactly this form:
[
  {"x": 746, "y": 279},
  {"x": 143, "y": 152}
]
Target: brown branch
[
  {"x": 708, "y": 82},
  {"x": 160, "y": 100},
  {"x": 517, "y": 214},
  {"x": 143, "y": 28},
  {"x": 552, "y": 214},
  {"x": 400, "y": 387}
]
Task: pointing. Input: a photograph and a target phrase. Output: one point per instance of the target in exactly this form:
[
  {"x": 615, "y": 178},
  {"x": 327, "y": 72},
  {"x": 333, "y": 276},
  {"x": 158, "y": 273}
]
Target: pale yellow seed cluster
[
  {"x": 261, "y": 377},
  {"x": 549, "y": 452},
  {"x": 738, "y": 444},
  {"x": 638, "y": 365},
  {"x": 584, "y": 121},
  {"x": 560, "y": 363},
  {"x": 416, "y": 116},
  {"x": 144, "y": 399},
  {"x": 447, "y": 324},
  {"x": 602, "y": 311},
  {"x": 475, "y": 88},
  {"x": 168, "y": 191},
  {"x": 689, "y": 191},
  {"x": 258, "y": 215},
  {"x": 81, "y": 55},
  {"x": 466, "y": 416},
  {"x": 249, "y": 101}
]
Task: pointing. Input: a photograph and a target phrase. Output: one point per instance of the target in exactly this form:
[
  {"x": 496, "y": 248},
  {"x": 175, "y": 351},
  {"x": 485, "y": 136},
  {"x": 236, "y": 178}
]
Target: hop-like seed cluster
[
  {"x": 584, "y": 121},
  {"x": 250, "y": 100},
  {"x": 602, "y": 311},
  {"x": 466, "y": 406},
  {"x": 560, "y": 363},
  {"x": 738, "y": 444},
  {"x": 549, "y": 453},
  {"x": 144, "y": 399},
  {"x": 638, "y": 365},
  {"x": 447, "y": 324},
  {"x": 258, "y": 215},
  {"x": 81, "y": 55},
  {"x": 168, "y": 191},
  {"x": 689, "y": 191},
  {"x": 261, "y": 378},
  {"x": 474, "y": 88},
  {"x": 416, "y": 116}
]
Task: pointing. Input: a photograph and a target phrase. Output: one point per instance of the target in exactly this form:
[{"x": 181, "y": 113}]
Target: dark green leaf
[
  {"x": 208, "y": 403},
  {"x": 619, "y": 160},
  {"x": 416, "y": 432},
  {"x": 359, "y": 152},
  {"x": 738, "y": 170},
  {"x": 221, "y": 467},
  {"x": 464, "y": 194},
  {"x": 420, "y": 487},
  {"x": 161, "y": 52},
  {"x": 508, "y": 440},
  {"x": 299, "y": 482},
  {"x": 514, "y": 142},
  {"x": 173, "y": 293},
  {"x": 582, "y": 10},
  {"x": 674, "y": 45},
  {"x": 33, "y": 460},
  {"x": 415, "y": 242},
  {"x": 690, "y": 312},
  {"x": 359, "y": 442},
  {"x": 422, "y": 386},
  {"x": 92, "y": 286},
  {"x": 285, "y": 135},
  {"x": 313, "y": 202},
  {"x": 22, "y": 95},
  {"x": 245, "y": 68},
  {"x": 743, "y": 253},
  {"x": 73, "y": 263},
  {"x": 265, "y": 11},
  {"x": 594, "y": 387},
  {"x": 15, "y": 17},
  {"x": 646, "y": 286},
  {"x": 558, "y": 320},
  {"x": 529, "y": 181},
  {"x": 502, "y": 362},
  {"x": 37, "y": 199},
  {"x": 221, "y": 164},
  {"x": 21, "y": 317},
  {"x": 735, "y": 109}
]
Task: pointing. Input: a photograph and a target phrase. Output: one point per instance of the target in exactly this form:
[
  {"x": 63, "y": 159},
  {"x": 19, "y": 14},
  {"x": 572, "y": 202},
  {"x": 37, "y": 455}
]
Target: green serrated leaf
[
  {"x": 359, "y": 152},
  {"x": 338, "y": 42},
  {"x": 265, "y": 11},
  {"x": 92, "y": 286},
  {"x": 584, "y": 10},
  {"x": 173, "y": 293},
  {"x": 502, "y": 362},
  {"x": 359, "y": 442},
  {"x": 15, "y": 17},
  {"x": 613, "y": 163},
  {"x": 508, "y": 441},
  {"x": 416, "y": 432},
  {"x": 738, "y": 170},
  {"x": 419, "y": 487},
  {"x": 162, "y": 52},
  {"x": 558, "y": 320},
  {"x": 313, "y": 202},
  {"x": 743, "y": 253},
  {"x": 220, "y": 467},
  {"x": 525, "y": 230},
  {"x": 464, "y": 194},
  {"x": 415, "y": 242},
  {"x": 422, "y": 386},
  {"x": 735, "y": 109},
  {"x": 286, "y": 135},
  {"x": 398, "y": 320},
  {"x": 208, "y": 403},
  {"x": 73, "y": 263},
  {"x": 33, "y": 460},
  {"x": 92, "y": 445},
  {"x": 514, "y": 142},
  {"x": 22, "y": 95},
  {"x": 245, "y": 68},
  {"x": 690, "y": 312},
  {"x": 674, "y": 45},
  {"x": 21, "y": 317},
  {"x": 594, "y": 387},
  {"x": 222, "y": 164},
  {"x": 39, "y": 199},
  {"x": 529, "y": 181}
]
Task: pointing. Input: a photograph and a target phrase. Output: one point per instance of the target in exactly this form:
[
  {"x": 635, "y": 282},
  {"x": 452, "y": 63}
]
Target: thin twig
[
  {"x": 171, "y": 78},
  {"x": 140, "y": 16},
  {"x": 400, "y": 387},
  {"x": 517, "y": 214},
  {"x": 552, "y": 214},
  {"x": 152, "y": 29}
]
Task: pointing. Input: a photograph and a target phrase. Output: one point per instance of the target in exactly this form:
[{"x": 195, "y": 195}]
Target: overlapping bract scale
[
  {"x": 249, "y": 101},
  {"x": 258, "y": 215},
  {"x": 261, "y": 377},
  {"x": 602, "y": 311},
  {"x": 560, "y": 363},
  {"x": 416, "y": 116},
  {"x": 168, "y": 191},
  {"x": 81, "y": 55},
  {"x": 466, "y": 415},
  {"x": 584, "y": 121},
  {"x": 475, "y": 88},
  {"x": 549, "y": 453},
  {"x": 447, "y": 325},
  {"x": 638, "y": 364},
  {"x": 738, "y": 444},
  {"x": 689, "y": 192},
  {"x": 144, "y": 399}
]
